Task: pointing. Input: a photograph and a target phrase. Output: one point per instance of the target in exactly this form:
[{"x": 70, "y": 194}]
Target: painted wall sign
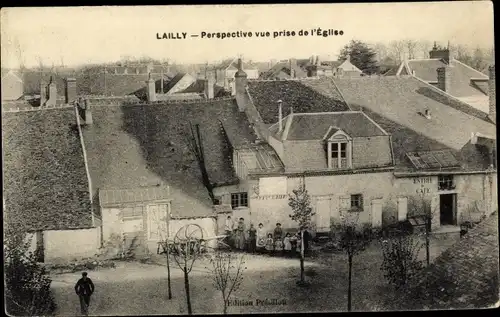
[
  {"x": 424, "y": 183},
  {"x": 272, "y": 197}
]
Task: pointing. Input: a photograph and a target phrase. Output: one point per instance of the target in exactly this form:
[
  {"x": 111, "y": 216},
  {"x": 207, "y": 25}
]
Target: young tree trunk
[
  {"x": 349, "y": 296},
  {"x": 225, "y": 307},
  {"x": 302, "y": 275},
  {"x": 168, "y": 274},
  {"x": 186, "y": 286},
  {"x": 427, "y": 246}
]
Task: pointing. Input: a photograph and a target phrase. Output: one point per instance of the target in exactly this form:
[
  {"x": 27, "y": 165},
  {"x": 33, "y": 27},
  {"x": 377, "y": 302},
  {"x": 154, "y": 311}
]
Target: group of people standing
[{"x": 258, "y": 240}]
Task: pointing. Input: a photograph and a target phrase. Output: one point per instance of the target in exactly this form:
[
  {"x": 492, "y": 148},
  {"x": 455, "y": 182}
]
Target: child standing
[
  {"x": 278, "y": 244},
  {"x": 287, "y": 244},
  {"x": 269, "y": 243},
  {"x": 299, "y": 244}
]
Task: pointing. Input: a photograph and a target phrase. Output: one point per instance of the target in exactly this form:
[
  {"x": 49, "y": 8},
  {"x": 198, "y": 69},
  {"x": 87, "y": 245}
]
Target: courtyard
[{"x": 133, "y": 288}]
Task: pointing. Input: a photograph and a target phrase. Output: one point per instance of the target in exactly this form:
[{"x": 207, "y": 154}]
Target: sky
[{"x": 80, "y": 35}]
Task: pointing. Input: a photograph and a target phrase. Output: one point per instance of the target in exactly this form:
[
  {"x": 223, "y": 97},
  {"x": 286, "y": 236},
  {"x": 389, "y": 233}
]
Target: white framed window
[
  {"x": 339, "y": 157},
  {"x": 339, "y": 149},
  {"x": 445, "y": 182},
  {"x": 239, "y": 200}
]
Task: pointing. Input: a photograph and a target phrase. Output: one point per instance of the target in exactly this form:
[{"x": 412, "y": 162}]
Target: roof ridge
[
  {"x": 455, "y": 99},
  {"x": 467, "y": 66},
  {"x": 340, "y": 93},
  {"x": 85, "y": 162}
]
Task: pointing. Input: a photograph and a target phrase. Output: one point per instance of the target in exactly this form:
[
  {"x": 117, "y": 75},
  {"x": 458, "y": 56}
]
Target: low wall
[{"x": 70, "y": 244}]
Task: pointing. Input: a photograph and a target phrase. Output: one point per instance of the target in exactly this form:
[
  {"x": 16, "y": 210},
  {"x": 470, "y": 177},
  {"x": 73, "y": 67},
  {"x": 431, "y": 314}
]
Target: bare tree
[
  {"x": 401, "y": 262},
  {"x": 397, "y": 50},
  {"x": 187, "y": 244},
  {"x": 421, "y": 206},
  {"x": 353, "y": 239},
  {"x": 163, "y": 229},
  {"x": 461, "y": 53},
  {"x": 227, "y": 274},
  {"x": 300, "y": 202},
  {"x": 40, "y": 63},
  {"x": 423, "y": 47},
  {"x": 411, "y": 48},
  {"x": 19, "y": 53}
]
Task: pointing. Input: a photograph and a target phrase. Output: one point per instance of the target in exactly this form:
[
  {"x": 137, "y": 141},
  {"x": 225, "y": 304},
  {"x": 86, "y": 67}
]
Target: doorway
[{"x": 447, "y": 208}]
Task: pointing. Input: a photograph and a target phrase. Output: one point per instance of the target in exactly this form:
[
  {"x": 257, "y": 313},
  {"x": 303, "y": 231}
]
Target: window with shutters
[
  {"x": 357, "y": 202},
  {"x": 239, "y": 200}
]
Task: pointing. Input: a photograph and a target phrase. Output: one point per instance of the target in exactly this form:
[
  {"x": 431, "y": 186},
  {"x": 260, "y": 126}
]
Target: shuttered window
[{"x": 357, "y": 202}]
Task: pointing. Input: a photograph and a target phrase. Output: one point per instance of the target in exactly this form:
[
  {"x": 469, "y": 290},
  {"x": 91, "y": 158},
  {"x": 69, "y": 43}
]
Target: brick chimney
[
  {"x": 209, "y": 85},
  {"x": 441, "y": 53},
  {"x": 70, "y": 91},
  {"x": 43, "y": 92},
  {"x": 444, "y": 78},
  {"x": 52, "y": 93},
  {"x": 151, "y": 89},
  {"x": 312, "y": 71},
  {"x": 293, "y": 67},
  {"x": 240, "y": 84},
  {"x": 492, "y": 95},
  {"x": 85, "y": 113}
]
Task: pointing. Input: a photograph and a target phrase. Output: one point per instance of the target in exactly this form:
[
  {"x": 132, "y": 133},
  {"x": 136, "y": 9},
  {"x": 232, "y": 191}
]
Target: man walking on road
[{"x": 84, "y": 289}]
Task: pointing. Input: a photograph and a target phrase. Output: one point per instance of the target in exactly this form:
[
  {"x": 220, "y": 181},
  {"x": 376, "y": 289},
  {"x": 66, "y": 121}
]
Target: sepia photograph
[{"x": 242, "y": 159}]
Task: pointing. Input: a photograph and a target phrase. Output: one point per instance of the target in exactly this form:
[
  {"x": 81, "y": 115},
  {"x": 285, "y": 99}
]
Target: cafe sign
[{"x": 423, "y": 185}]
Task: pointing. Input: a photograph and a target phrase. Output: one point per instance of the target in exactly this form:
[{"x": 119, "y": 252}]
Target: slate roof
[
  {"x": 94, "y": 82},
  {"x": 31, "y": 80},
  {"x": 314, "y": 126},
  {"x": 282, "y": 70},
  {"x": 233, "y": 63},
  {"x": 133, "y": 146},
  {"x": 304, "y": 96},
  {"x": 461, "y": 84},
  {"x": 397, "y": 104},
  {"x": 464, "y": 276},
  {"x": 45, "y": 182}
]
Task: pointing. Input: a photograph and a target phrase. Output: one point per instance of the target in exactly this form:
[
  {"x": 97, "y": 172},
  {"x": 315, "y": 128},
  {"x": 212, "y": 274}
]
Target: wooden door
[{"x": 323, "y": 213}]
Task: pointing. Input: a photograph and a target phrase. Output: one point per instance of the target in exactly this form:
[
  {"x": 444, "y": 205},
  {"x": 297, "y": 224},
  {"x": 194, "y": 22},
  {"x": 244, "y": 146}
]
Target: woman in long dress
[
  {"x": 240, "y": 235},
  {"x": 261, "y": 237}
]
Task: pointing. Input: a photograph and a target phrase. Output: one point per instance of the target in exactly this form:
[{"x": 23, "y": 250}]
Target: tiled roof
[
  {"x": 464, "y": 276},
  {"x": 32, "y": 80},
  {"x": 315, "y": 126},
  {"x": 233, "y": 62},
  {"x": 283, "y": 67},
  {"x": 45, "y": 182},
  {"x": 397, "y": 104},
  {"x": 145, "y": 145},
  {"x": 98, "y": 83},
  {"x": 461, "y": 85},
  {"x": 304, "y": 96}
]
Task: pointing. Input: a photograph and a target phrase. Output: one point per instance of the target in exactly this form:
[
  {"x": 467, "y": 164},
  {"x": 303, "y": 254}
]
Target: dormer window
[{"x": 339, "y": 149}]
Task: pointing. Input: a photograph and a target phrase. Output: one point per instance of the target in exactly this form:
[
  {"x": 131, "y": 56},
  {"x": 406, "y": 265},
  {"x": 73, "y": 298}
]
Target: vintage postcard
[{"x": 237, "y": 159}]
